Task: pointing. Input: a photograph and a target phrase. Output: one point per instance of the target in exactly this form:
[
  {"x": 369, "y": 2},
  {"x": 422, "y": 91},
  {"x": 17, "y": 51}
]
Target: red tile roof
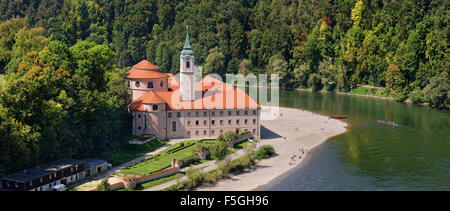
[
  {"x": 215, "y": 95},
  {"x": 145, "y": 69}
]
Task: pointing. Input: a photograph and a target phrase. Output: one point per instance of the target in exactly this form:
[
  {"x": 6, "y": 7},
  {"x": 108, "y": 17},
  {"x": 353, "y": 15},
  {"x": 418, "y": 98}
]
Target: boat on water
[
  {"x": 385, "y": 122},
  {"x": 339, "y": 117}
]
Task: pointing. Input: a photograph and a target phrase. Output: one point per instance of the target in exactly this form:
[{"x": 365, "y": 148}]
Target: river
[{"x": 370, "y": 156}]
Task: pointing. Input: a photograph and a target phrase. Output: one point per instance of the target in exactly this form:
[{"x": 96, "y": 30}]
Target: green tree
[{"x": 214, "y": 63}]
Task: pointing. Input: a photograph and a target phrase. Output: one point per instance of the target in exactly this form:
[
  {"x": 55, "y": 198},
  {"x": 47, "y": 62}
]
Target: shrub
[
  {"x": 219, "y": 151},
  {"x": 193, "y": 159},
  {"x": 264, "y": 152},
  {"x": 195, "y": 178},
  {"x": 103, "y": 185}
]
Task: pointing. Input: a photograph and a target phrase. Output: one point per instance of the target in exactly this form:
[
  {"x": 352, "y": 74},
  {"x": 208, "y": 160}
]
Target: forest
[{"x": 62, "y": 61}]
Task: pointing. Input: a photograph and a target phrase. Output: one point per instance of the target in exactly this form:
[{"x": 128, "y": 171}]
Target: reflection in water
[{"x": 370, "y": 156}]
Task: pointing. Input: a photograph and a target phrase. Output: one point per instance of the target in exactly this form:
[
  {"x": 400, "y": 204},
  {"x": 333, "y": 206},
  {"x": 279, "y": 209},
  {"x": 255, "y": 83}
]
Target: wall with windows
[{"x": 139, "y": 87}]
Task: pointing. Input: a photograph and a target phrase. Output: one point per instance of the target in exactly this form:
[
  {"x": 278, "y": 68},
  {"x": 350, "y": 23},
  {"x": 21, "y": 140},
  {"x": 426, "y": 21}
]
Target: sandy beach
[{"x": 294, "y": 130}]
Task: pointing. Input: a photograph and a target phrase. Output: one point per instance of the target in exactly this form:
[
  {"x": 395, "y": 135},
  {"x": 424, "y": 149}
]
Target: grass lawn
[
  {"x": 163, "y": 159},
  {"x": 131, "y": 152},
  {"x": 161, "y": 181}
]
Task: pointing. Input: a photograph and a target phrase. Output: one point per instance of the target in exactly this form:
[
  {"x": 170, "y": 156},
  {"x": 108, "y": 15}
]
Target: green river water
[{"x": 370, "y": 156}]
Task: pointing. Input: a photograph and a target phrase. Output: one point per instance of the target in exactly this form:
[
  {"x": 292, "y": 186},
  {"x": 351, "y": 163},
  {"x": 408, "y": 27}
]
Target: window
[
  {"x": 237, "y": 121},
  {"x": 213, "y": 113},
  {"x": 221, "y": 122},
  {"x": 197, "y": 123},
  {"x": 205, "y": 122},
  {"x": 161, "y": 84},
  {"x": 189, "y": 133},
  {"x": 188, "y": 64},
  {"x": 128, "y": 83},
  {"x": 139, "y": 116},
  {"x": 229, "y": 122},
  {"x": 237, "y": 113},
  {"x": 221, "y": 113},
  {"x": 205, "y": 113},
  {"x": 145, "y": 122},
  {"x": 212, "y": 132},
  {"x": 178, "y": 114},
  {"x": 138, "y": 84},
  {"x": 196, "y": 133},
  {"x": 139, "y": 128},
  {"x": 155, "y": 107},
  {"x": 174, "y": 126},
  {"x": 245, "y": 112},
  {"x": 188, "y": 113},
  {"x": 254, "y": 112},
  {"x": 169, "y": 114},
  {"x": 246, "y": 121},
  {"x": 150, "y": 85},
  {"x": 254, "y": 121},
  {"x": 197, "y": 114},
  {"x": 213, "y": 122},
  {"x": 204, "y": 132},
  {"x": 188, "y": 123},
  {"x": 229, "y": 113},
  {"x": 254, "y": 131}
]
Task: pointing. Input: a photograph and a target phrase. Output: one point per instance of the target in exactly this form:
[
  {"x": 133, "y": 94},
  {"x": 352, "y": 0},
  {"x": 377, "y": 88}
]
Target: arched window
[
  {"x": 161, "y": 84},
  {"x": 128, "y": 83},
  {"x": 155, "y": 107},
  {"x": 188, "y": 64},
  {"x": 138, "y": 84},
  {"x": 150, "y": 85}
]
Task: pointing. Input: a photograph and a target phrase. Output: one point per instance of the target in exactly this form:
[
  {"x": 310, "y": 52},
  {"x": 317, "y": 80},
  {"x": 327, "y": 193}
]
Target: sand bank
[{"x": 302, "y": 129}]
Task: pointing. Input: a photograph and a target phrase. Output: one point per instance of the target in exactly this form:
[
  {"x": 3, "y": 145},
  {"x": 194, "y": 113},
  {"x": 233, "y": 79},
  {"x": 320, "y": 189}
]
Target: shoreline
[
  {"x": 313, "y": 130},
  {"x": 346, "y": 94}
]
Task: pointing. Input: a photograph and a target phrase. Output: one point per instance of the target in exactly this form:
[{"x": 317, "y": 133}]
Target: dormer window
[
  {"x": 150, "y": 85},
  {"x": 188, "y": 64},
  {"x": 138, "y": 84},
  {"x": 161, "y": 84},
  {"x": 155, "y": 107}
]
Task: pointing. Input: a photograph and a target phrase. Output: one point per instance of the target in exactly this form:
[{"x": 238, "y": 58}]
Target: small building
[
  {"x": 94, "y": 167},
  {"x": 44, "y": 177}
]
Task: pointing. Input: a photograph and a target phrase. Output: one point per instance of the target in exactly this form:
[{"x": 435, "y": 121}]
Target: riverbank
[
  {"x": 302, "y": 129},
  {"x": 347, "y": 94}
]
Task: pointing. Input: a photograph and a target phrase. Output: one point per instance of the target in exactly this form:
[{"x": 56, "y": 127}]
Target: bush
[
  {"x": 195, "y": 178},
  {"x": 103, "y": 185},
  {"x": 219, "y": 151},
  {"x": 264, "y": 152},
  {"x": 193, "y": 159}
]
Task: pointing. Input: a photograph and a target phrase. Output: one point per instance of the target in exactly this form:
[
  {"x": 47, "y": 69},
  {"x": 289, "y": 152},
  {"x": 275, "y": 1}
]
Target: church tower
[{"x": 187, "y": 72}]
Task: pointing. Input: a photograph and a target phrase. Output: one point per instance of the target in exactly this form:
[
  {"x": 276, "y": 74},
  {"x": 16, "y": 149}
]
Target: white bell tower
[{"x": 187, "y": 72}]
